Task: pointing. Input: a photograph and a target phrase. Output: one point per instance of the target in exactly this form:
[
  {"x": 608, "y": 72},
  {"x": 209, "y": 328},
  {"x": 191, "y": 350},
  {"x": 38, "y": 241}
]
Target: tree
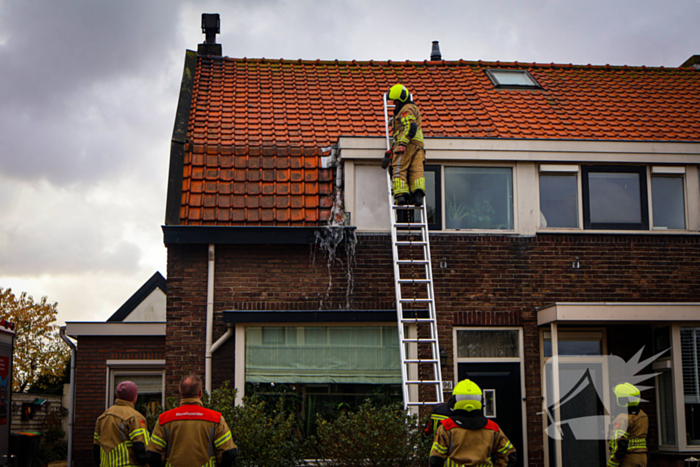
[{"x": 39, "y": 351}]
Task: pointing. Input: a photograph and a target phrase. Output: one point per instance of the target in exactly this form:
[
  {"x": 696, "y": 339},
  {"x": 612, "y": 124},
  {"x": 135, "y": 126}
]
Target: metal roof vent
[
  {"x": 435, "y": 54},
  {"x": 210, "y": 28}
]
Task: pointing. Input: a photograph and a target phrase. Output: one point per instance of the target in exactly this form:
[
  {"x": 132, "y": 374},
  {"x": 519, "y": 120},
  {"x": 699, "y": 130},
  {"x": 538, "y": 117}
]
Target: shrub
[
  {"x": 265, "y": 437},
  {"x": 373, "y": 437},
  {"x": 53, "y": 445}
]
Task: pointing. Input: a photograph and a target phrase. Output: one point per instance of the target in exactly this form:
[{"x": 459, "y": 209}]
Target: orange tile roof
[{"x": 256, "y": 126}]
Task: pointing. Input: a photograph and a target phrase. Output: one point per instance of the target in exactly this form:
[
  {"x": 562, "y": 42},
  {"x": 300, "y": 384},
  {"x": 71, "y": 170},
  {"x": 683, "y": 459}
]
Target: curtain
[{"x": 322, "y": 354}]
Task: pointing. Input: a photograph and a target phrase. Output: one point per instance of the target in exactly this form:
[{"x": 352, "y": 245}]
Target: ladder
[{"x": 415, "y": 300}]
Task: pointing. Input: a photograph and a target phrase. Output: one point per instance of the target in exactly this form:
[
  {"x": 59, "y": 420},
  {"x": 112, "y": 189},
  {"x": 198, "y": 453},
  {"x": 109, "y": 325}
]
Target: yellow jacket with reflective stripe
[
  {"x": 191, "y": 436},
  {"x": 630, "y": 427},
  {"x": 401, "y": 124},
  {"x": 115, "y": 432},
  {"x": 471, "y": 448}
]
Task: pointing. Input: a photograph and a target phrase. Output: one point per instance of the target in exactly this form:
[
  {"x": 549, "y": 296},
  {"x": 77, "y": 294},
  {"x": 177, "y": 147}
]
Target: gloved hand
[
  {"x": 386, "y": 161},
  {"x": 400, "y": 148}
]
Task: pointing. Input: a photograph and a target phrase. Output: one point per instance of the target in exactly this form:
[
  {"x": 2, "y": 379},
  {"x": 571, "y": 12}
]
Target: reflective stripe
[
  {"x": 97, "y": 437},
  {"x": 140, "y": 431},
  {"x": 506, "y": 448},
  {"x": 439, "y": 448},
  {"x": 400, "y": 187},
  {"x": 418, "y": 184},
  {"x": 117, "y": 457},
  {"x": 222, "y": 440},
  {"x": 468, "y": 397},
  {"x": 637, "y": 443},
  {"x": 160, "y": 442}
]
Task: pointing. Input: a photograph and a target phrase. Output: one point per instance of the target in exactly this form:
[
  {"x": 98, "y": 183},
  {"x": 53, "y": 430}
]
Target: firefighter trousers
[{"x": 407, "y": 170}]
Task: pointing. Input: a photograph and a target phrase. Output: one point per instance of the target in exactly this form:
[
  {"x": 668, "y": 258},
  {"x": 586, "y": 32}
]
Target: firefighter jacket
[
  {"x": 406, "y": 125},
  {"x": 628, "y": 435},
  {"x": 191, "y": 436},
  {"x": 116, "y": 432},
  {"x": 471, "y": 441}
]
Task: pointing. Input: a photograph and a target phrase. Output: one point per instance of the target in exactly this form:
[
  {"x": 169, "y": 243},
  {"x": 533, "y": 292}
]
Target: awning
[{"x": 611, "y": 312}]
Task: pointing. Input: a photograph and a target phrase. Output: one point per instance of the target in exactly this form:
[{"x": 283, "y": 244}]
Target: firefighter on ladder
[
  {"x": 628, "y": 437},
  {"x": 469, "y": 439},
  {"x": 407, "y": 155}
]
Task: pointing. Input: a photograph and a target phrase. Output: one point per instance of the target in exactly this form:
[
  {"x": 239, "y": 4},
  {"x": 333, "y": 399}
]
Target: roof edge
[
  {"x": 157, "y": 281},
  {"x": 179, "y": 139},
  {"x": 249, "y": 235}
]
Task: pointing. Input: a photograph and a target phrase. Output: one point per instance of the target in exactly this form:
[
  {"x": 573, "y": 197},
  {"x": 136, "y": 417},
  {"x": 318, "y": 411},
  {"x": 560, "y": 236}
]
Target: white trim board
[
  {"x": 617, "y": 312},
  {"x": 83, "y": 328}
]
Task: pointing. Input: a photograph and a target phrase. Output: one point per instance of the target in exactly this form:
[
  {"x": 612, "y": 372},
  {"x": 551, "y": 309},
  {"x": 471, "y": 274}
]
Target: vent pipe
[{"x": 435, "y": 54}]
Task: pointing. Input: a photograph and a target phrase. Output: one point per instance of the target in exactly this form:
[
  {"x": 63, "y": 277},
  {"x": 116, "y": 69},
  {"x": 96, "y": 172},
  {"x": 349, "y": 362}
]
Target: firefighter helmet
[
  {"x": 398, "y": 92},
  {"x": 467, "y": 395},
  {"x": 627, "y": 395}
]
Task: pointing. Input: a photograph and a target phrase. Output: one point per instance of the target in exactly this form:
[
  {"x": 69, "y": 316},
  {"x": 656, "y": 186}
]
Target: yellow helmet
[
  {"x": 627, "y": 395},
  {"x": 398, "y": 92},
  {"x": 467, "y": 395}
]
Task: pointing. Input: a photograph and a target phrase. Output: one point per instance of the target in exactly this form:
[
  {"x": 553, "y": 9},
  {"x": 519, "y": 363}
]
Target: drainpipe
[
  {"x": 210, "y": 320},
  {"x": 71, "y": 413}
]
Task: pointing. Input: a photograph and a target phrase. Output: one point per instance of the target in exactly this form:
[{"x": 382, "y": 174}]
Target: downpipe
[
  {"x": 71, "y": 413},
  {"x": 210, "y": 319}
]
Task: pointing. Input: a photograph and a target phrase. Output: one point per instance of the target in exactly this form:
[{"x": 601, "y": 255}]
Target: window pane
[
  {"x": 614, "y": 198},
  {"x": 478, "y": 198},
  {"x": 512, "y": 78},
  {"x": 558, "y": 200},
  {"x": 487, "y": 344},
  {"x": 668, "y": 202},
  {"x": 666, "y": 410}
]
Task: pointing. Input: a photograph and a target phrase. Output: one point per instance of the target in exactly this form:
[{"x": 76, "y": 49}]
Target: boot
[
  {"x": 418, "y": 197},
  {"x": 403, "y": 199}
]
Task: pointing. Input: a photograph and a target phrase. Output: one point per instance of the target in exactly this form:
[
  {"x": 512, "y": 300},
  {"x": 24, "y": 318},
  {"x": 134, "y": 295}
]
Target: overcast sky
[{"x": 88, "y": 91}]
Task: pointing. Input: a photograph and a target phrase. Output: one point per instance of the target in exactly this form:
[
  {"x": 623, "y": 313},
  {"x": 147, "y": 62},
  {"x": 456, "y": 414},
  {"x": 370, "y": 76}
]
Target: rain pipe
[
  {"x": 71, "y": 412},
  {"x": 210, "y": 320}
]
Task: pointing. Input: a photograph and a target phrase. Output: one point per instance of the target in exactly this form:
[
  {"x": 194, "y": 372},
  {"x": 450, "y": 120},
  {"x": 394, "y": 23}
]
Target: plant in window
[{"x": 466, "y": 215}]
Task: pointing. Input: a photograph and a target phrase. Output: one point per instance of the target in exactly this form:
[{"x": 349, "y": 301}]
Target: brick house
[
  {"x": 564, "y": 207},
  {"x": 130, "y": 345}
]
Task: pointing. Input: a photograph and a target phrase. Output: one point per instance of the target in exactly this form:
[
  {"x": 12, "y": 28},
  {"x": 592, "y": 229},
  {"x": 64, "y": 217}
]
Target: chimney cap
[
  {"x": 435, "y": 54},
  {"x": 210, "y": 23}
]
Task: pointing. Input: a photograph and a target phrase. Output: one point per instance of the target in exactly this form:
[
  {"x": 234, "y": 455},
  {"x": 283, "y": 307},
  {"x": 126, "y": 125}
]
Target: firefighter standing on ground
[
  {"x": 407, "y": 155},
  {"x": 468, "y": 438},
  {"x": 191, "y": 435},
  {"x": 121, "y": 435},
  {"x": 628, "y": 437}
]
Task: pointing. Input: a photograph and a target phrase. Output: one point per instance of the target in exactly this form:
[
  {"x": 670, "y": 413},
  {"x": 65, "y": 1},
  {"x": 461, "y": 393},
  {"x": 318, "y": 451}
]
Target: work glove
[
  {"x": 386, "y": 161},
  {"x": 400, "y": 148}
]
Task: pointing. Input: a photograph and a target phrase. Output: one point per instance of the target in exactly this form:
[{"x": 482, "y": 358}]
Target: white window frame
[
  {"x": 573, "y": 332},
  {"x": 520, "y": 359},
  {"x": 562, "y": 168},
  {"x": 678, "y": 396},
  {"x": 480, "y": 165},
  {"x": 132, "y": 367},
  {"x": 239, "y": 356},
  {"x": 651, "y": 170},
  {"x": 674, "y": 171}
]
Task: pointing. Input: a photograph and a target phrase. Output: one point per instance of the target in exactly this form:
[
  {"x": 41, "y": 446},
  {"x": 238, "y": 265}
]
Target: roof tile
[{"x": 270, "y": 146}]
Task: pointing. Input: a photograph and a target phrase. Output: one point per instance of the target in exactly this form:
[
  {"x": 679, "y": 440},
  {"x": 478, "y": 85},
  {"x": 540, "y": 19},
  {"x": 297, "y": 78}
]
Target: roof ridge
[{"x": 459, "y": 62}]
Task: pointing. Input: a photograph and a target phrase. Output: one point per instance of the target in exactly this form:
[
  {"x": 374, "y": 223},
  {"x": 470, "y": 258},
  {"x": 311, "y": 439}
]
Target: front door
[{"x": 501, "y": 385}]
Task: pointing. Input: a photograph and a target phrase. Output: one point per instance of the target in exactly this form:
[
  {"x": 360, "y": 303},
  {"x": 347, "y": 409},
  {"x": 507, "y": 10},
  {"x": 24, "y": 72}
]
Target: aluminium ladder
[{"x": 415, "y": 300}]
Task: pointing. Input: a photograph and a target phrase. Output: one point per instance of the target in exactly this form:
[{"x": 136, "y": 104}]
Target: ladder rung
[
  {"x": 421, "y": 381},
  {"x": 427, "y": 360},
  {"x": 416, "y": 300},
  {"x": 418, "y": 341},
  {"x": 424, "y": 403},
  {"x": 414, "y": 281},
  {"x": 415, "y": 320},
  {"x": 410, "y": 224},
  {"x": 410, "y": 243},
  {"x": 412, "y": 261}
]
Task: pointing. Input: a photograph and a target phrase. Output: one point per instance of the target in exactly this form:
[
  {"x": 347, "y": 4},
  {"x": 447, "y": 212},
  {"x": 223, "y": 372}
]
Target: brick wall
[
  {"x": 91, "y": 381},
  {"x": 487, "y": 280}
]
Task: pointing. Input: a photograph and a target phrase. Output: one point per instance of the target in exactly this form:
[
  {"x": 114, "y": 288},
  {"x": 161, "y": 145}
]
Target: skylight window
[{"x": 512, "y": 78}]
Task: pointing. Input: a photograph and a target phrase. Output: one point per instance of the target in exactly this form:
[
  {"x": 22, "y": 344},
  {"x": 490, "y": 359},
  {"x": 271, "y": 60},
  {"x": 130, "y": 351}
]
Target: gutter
[{"x": 71, "y": 413}]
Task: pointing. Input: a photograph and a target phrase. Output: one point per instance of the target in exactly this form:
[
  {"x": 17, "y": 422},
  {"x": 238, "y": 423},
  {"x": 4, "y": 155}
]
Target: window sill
[{"x": 618, "y": 232}]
